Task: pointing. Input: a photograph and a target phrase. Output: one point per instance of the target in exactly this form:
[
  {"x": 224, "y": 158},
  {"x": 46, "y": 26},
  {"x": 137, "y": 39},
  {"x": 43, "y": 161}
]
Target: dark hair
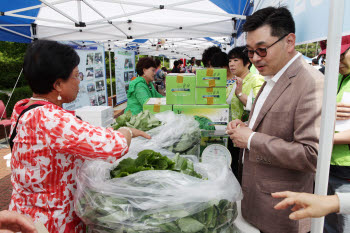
[
  {"x": 315, "y": 61},
  {"x": 198, "y": 62},
  {"x": 238, "y": 52},
  {"x": 45, "y": 62},
  {"x": 157, "y": 61},
  {"x": 180, "y": 61},
  {"x": 279, "y": 19},
  {"x": 208, "y": 53},
  {"x": 144, "y": 63},
  {"x": 219, "y": 60},
  {"x": 176, "y": 63},
  {"x": 164, "y": 69}
]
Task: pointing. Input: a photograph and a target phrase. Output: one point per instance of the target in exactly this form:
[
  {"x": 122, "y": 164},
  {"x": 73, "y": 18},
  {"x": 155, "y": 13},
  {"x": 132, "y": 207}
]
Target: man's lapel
[{"x": 282, "y": 83}]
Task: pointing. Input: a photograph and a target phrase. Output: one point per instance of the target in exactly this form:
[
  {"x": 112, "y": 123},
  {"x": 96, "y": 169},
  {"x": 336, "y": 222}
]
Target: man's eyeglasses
[{"x": 262, "y": 52}]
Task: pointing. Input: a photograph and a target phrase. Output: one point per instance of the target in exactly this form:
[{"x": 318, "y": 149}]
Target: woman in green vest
[
  {"x": 339, "y": 173},
  {"x": 142, "y": 88}
]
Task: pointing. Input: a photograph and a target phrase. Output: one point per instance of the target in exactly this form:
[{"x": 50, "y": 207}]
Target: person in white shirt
[
  {"x": 281, "y": 139},
  {"x": 306, "y": 205}
]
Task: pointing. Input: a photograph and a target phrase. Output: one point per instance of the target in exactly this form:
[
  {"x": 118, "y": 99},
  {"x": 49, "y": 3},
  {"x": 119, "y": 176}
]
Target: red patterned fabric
[{"x": 50, "y": 146}]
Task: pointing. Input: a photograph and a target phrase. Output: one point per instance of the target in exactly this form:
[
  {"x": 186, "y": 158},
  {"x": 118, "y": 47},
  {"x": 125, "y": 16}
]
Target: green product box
[
  {"x": 210, "y": 117},
  {"x": 157, "y": 105},
  {"x": 209, "y": 137},
  {"x": 180, "y": 89},
  {"x": 211, "y": 77},
  {"x": 210, "y": 95}
]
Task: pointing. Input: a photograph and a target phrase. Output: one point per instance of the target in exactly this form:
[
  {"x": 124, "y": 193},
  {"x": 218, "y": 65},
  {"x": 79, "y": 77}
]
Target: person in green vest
[
  {"x": 240, "y": 94},
  {"x": 339, "y": 175},
  {"x": 142, "y": 88}
]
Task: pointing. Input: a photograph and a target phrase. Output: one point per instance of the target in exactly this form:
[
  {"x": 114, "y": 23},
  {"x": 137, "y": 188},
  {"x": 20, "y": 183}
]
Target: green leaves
[
  {"x": 189, "y": 225},
  {"x": 143, "y": 121}
]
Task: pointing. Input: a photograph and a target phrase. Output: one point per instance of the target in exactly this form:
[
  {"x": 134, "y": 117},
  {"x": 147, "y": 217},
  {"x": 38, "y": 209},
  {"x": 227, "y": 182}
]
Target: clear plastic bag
[
  {"x": 178, "y": 134},
  {"x": 158, "y": 200}
]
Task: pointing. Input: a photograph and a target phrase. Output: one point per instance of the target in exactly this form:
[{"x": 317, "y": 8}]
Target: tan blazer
[{"x": 283, "y": 152}]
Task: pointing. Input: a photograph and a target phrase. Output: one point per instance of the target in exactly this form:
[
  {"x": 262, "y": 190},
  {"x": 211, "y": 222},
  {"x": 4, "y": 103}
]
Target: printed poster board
[
  {"x": 92, "y": 74},
  {"x": 124, "y": 71}
]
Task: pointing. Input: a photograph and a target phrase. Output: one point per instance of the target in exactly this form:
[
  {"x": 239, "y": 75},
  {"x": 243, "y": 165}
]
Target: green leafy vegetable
[
  {"x": 143, "y": 121},
  {"x": 151, "y": 160},
  {"x": 204, "y": 123},
  {"x": 104, "y": 212}
]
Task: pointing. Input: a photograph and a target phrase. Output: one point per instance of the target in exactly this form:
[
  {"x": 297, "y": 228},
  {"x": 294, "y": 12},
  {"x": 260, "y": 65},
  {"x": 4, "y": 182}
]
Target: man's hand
[
  {"x": 240, "y": 135},
  {"x": 343, "y": 111},
  {"x": 15, "y": 222},
  {"x": 234, "y": 124},
  {"x": 306, "y": 205}
]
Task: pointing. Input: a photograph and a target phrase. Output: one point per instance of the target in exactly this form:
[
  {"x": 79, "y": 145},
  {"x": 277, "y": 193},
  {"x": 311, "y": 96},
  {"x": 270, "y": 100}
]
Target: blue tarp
[
  {"x": 241, "y": 7},
  {"x": 13, "y": 5}
]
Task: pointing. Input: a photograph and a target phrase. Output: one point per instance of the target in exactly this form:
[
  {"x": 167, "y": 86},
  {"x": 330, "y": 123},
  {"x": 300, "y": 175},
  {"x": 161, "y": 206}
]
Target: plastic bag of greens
[
  {"x": 178, "y": 133},
  {"x": 158, "y": 200}
]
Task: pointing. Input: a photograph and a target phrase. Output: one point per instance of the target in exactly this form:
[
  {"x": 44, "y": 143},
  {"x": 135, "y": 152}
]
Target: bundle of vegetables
[
  {"x": 140, "y": 198},
  {"x": 143, "y": 121},
  {"x": 151, "y": 160}
]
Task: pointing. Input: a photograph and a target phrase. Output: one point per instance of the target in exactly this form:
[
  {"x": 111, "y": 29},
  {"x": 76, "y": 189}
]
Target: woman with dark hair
[
  {"x": 49, "y": 144},
  {"x": 239, "y": 95},
  {"x": 141, "y": 88},
  {"x": 220, "y": 60}
]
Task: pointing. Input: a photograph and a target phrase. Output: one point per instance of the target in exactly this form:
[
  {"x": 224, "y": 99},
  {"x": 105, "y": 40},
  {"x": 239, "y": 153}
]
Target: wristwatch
[{"x": 240, "y": 94}]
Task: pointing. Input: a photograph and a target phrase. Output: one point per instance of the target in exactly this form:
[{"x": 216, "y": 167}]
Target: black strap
[{"x": 14, "y": 131}]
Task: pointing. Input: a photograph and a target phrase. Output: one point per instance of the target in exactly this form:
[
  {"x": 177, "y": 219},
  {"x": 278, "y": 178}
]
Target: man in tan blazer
[{"x": 280, "y": 141}]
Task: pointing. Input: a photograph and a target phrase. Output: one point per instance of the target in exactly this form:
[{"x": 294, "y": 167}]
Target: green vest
[{"x": 341, "y": 152}]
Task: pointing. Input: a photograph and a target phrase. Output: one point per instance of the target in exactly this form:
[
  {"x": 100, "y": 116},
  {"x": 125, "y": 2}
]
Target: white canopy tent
[{"x": 186, "y": 23}]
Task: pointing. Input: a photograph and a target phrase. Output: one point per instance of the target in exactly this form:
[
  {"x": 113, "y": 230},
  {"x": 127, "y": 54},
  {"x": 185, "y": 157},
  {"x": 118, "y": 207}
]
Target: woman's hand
[
  {"x": 239, "y": 83},
  {"x": 139, "y": 133},
  {"x": 306, "y": 205},
  {"x": 343, "y": 111},
  {"x": 15, "y": 222}
]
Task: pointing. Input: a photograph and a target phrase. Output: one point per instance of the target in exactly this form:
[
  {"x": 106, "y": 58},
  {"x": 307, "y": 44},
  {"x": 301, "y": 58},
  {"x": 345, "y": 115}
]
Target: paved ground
[{"x": 5, "y": 177}]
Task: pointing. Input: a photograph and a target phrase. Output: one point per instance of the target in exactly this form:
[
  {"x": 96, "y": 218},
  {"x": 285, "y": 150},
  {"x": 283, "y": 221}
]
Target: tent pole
[
  {"x": 335, "y": 28},
  {"x": 110, "y": 74}
]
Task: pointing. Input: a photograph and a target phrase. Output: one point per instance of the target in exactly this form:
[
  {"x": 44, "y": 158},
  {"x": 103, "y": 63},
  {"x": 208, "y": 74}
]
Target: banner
[
  {"x": 92, "y": 74},
  {"x": 124, "y": 71}
]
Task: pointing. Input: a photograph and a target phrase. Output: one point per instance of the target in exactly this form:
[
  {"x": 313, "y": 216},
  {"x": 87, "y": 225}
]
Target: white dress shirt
[
  {"x": 344, "y": 203},
  {"x": 270, "y": 83}
]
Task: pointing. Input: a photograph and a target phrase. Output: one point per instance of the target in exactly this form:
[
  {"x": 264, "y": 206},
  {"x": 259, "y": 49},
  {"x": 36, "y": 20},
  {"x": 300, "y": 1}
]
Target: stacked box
[
  {"x": 209, "y": 137},
  {"x": 211, "y": 95},
  {"x": 216, "y": 117},
  {"x": 211, "y": 86},
  {"x": 212, "y": 77},
  {"x": 96, "y": 115},
  {"x": 157, "y": 105},
  {"x": 180, "y": 89}
]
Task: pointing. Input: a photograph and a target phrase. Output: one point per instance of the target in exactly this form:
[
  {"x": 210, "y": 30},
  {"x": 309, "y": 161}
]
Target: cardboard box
[
  {"x": 214, "y": 116},
  {"x": 211, "y": 77},
  {"x": 210, "y": 95},
  {"x": 96, "y": 115},
  {"x": 157, "y": 105},
  {"x": 180, "y": 89},
  {"x": 209, "y": 137}
]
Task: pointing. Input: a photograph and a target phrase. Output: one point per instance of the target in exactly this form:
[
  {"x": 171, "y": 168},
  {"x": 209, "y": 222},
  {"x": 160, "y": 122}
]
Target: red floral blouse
[{"x": 50, "y": 146}]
